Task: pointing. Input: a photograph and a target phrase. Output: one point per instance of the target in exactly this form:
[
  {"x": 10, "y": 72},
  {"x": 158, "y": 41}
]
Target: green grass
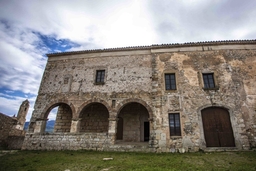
[{"x": 93, "y": 160}]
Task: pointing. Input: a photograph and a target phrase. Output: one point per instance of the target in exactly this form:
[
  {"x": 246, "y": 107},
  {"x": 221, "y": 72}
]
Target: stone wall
[
  {"x": 94, "y": 118},
  {"x": 133, "y": 116},
  {"x": 10, "y": 136},
  {"x": 138, "y": 76},
  {"x": 6, "y": 125},
  {"x": 66, "y": 141},
  {"x": 63, "y": 119},
  {"x": 15, "y": 142}
]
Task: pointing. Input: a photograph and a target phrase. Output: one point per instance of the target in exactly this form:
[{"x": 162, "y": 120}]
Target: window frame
[
  {"x": 171, "y": 80},
  {"x": 99, "y": 79},
  {"x": 175, "y": 73},
  {"x": 201, "y": 80},
  {"x": 176, "y": 128},
  {"x": 208, "y": 82}
]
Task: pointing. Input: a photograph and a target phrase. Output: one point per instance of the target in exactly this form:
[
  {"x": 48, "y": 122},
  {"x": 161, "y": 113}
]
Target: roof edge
[{"x": 156, "y": 46}]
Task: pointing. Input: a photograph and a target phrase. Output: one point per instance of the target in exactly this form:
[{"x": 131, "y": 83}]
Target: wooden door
[{"x": 217, "y": 127}]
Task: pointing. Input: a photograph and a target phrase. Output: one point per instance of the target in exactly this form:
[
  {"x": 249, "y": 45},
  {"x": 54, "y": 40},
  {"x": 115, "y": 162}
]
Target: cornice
[{"x": 157, "y": 46}]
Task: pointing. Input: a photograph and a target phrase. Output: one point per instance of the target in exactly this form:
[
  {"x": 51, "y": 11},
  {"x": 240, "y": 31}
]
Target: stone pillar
[
  {"x": 112, "y": 129},
  {"x": 152, "y": 138},
  {"x": 40, "y": 125},
  {"x": 75, "y": 125},
  {"x": 31, "y": 127}
]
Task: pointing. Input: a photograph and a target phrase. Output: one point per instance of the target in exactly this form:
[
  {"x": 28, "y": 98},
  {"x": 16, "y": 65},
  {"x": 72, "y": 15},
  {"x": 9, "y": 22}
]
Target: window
[
  {"x": 170, "y": 82},
  {"x": 66, "y": 80},
  {"x": 100, "y": 75},
  {"x": 208, "y": 81},
  {"x": 174, "y": 121}
]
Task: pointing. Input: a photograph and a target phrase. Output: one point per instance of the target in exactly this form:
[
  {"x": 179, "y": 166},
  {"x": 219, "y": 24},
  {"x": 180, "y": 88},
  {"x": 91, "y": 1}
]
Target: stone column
[
  {"x": 112, "y": 129},
  {"x": 31, "y": 127},
  {"x": 75, "y": 125},
  {"x": 40, "y": 125}
]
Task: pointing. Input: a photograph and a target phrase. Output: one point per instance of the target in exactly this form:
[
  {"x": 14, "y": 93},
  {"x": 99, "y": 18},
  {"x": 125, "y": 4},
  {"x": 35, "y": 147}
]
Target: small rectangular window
[
  {"x": 208, "y": 81},
  {"x": 100, "y": 75},
  {"x": 170, "y": 82},
  {"x": 174, "y": 122}
]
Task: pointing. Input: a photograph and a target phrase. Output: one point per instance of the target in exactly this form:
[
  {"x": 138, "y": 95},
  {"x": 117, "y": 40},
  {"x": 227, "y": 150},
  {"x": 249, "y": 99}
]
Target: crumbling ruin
[{"x": 12, "y": 132}]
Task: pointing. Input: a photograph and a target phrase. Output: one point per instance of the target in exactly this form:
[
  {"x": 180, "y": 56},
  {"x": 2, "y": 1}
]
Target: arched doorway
[
  {"x": 59, "y": 118},
  {"x": 133, "y": 124},
  {"x": 218, "y": 131},
  {"x": 94, "y": 118}
]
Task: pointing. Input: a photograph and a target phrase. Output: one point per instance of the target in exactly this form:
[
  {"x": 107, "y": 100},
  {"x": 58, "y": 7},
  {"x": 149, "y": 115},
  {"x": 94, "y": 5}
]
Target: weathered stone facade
[{"x": 132, "y": 103}]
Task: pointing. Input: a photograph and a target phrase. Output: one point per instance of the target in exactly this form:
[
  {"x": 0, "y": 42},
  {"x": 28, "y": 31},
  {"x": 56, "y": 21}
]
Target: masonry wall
[
  {"x": 63, "y": 119},
  {"x": 6, "y": 124},
  {"x": 235, "y": 77},
  {"x": 94, "y": 118},
  {"x": 72, "y": 79},
  {"x": 138, "y": 76},
  {"x": 65, "y": 141},
  {"x": 10, "y": 137}
]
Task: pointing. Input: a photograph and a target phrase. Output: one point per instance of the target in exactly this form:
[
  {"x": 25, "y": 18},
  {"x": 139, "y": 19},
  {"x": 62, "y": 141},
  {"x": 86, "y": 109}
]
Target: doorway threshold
[{"x": 220, "y": 149}]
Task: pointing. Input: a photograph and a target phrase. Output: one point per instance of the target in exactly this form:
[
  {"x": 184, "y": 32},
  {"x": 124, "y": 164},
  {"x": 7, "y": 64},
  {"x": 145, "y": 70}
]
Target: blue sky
[{"x": 30, "y": 29}]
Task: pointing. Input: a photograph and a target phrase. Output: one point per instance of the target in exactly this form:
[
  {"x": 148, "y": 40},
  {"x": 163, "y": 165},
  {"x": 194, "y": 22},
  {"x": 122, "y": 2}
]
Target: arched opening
[
  {"x": 133, "y": 124},
  {"x": 218, "y": 130},
  {"x": 59, "y": 118},
  {"x": 94, "y": 118}
]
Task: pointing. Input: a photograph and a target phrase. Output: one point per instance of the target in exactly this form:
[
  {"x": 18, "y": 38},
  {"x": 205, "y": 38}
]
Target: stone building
[
  {"x": 158, "y": 98},
  {"x": 11, "y": 128}
]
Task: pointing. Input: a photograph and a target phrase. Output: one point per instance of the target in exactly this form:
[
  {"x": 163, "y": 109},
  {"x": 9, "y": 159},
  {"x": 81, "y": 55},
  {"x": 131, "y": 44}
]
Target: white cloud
[
  {"x": 104, "y": 24},
  {"x": 10, "y": 105}
]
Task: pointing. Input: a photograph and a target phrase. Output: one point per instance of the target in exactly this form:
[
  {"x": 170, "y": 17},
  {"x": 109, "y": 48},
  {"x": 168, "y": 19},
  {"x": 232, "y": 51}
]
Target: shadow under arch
[
  {"x": 93, "y": 118},
  {"x": 133, "y": 121},
  {"x": 54, "y": 104},
  {"x": 76, "y": 116},
  {"x": 143, "y": 103},
  {"x": 63, "y": 118}
]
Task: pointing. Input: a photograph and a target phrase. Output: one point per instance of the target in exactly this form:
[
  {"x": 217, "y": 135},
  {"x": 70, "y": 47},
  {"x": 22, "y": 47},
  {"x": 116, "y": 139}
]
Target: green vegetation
[{"x": 93, "y": 160}]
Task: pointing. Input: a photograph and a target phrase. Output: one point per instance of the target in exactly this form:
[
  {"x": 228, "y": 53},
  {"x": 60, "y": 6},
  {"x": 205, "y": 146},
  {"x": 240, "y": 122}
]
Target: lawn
[{"x": 93, "y": 160}]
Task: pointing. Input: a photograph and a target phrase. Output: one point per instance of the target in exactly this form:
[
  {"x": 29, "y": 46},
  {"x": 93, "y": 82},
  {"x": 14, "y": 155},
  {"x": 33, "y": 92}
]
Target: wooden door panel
[
  {"x": 209, "y": 124},
  {"x": 212, "y": 139},
  {"x": 226, "y": 139},
  {"x": 218, "y": 130}
]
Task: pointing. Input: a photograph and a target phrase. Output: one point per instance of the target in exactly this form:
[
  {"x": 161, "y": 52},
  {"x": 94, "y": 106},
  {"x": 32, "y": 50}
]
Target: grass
[{"x": 93, "y": 160}]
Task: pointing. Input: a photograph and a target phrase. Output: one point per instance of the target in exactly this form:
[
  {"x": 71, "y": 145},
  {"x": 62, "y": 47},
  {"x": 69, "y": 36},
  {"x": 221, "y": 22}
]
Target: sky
[{"x": 30, "y": 29}]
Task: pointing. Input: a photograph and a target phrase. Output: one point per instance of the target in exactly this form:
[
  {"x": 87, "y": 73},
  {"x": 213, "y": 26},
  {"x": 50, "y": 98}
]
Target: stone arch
[
  {"x": 64, "y": 115},
  {"x": 79, "y": 110},
  {"x": 232, "y": 118},
  {"x": 93, "y": 117},
  {"x": 127, "y": 101},
  {"x": 54, "y": 104},
  {"x": 133, "y": 121}
]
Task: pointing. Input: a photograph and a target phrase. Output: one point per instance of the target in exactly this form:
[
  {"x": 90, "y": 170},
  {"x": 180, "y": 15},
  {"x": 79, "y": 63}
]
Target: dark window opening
[
  {"x": 113, "y": 103},
  {"x": 208, "y": 81},
  {"x": 66, "y": 80},
  {"x": 170, "y": 82},
  {"x": 100, "y": 75},
  {"x": 174, "y": 121}
]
